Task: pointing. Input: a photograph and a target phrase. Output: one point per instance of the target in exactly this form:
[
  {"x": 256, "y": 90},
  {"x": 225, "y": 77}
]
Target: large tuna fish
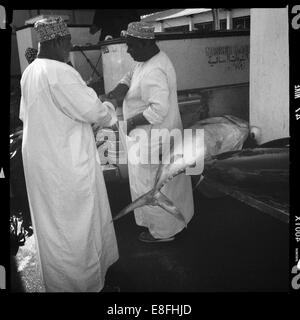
[{"x": 221, "y": 134}]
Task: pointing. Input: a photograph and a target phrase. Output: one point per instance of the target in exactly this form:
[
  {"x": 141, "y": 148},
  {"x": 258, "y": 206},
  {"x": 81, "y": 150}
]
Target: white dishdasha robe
[
  {"x": 69, "y": 206},
  {"x": 153, "y": 91}
]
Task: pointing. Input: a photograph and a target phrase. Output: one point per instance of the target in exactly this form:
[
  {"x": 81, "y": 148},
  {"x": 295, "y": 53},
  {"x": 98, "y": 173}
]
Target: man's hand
[
  {"x": 96, "y": 127},
  {"x": 111, "y": 95},
  {"x": 114, "y": 127},
  {"x": 105, "y": 97}
]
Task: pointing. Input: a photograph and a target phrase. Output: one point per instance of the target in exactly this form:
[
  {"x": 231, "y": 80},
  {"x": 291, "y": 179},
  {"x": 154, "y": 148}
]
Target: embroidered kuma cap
[
  {"x": 51, "y": 28},
  {"x": 139, "y": 29}
]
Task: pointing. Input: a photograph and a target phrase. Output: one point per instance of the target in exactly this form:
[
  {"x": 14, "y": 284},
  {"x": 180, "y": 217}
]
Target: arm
[
  {"x": 155, "y": 92},
  {"x": 137, "y": 120},
  {"x": 21, "y": 111},
  {"x": 116, "y": 96},
  {"x": 120, "y": 91},
  {"x": 81, "y": 103}
]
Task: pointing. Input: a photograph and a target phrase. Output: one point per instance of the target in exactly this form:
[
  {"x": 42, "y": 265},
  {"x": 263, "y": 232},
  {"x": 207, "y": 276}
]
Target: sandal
[
  {"x": 109, "y": 288},
  {"x": 146, "y": 236}
]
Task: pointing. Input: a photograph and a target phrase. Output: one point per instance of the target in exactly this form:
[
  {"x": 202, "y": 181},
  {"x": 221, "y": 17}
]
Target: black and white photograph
[{"x": 149, "y": 152}]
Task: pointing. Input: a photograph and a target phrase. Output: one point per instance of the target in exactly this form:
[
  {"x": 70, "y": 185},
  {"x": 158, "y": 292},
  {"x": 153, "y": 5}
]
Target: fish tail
[
  {"x": 152, "y": 198},
  {"x": 139, "y": 202},
  {"x": 199, "y": 181},
  {"x": 165, "y": 203}
]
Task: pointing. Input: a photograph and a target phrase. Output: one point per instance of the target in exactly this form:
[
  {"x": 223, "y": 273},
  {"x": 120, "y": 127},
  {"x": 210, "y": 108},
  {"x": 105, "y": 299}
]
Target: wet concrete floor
[{"x": 227, "y": 247}]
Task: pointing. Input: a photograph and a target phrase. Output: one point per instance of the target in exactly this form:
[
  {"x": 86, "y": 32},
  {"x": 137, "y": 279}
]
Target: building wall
[
  {"x": 207, "y": 16},
  {"x": 15, "y": 63},
  {"x": 222, "y": 88},
  {"x": 269, "y": 72},
  {"x": 209, "y": 62},
  {"x": 214, "y": 102},
  {"x": 230, "y": 100},
  {"x": 199, "y": 18},
  {"x": 199, "y": 63}
]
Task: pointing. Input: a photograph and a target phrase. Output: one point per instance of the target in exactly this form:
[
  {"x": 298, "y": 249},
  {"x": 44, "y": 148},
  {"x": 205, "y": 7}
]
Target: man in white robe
[
  {"x": 150, "y": 102},
  {"x": 70, "y": 211}
]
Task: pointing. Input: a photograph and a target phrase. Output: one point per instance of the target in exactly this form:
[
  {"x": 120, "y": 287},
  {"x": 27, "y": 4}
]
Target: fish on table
[{"x": 262, "y": 170}]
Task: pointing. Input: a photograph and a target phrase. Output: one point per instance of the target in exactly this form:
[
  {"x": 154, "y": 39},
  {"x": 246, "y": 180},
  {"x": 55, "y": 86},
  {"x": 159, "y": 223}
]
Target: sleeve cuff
[
  {"x": 126, "y": 79},
  {"x": 152, "y": 116}
]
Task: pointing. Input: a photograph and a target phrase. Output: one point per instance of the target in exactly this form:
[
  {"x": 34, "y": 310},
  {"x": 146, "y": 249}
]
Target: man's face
[{"x": 136, "y": 48}]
